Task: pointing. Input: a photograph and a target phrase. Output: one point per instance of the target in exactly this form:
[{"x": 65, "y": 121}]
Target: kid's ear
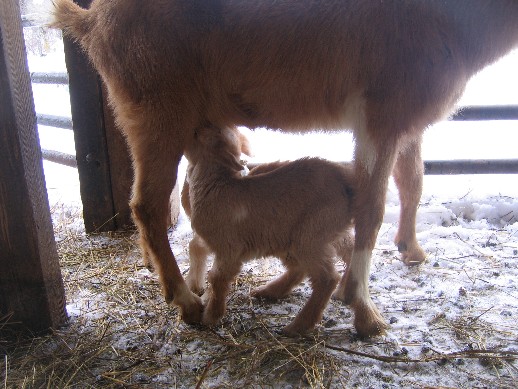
[
  {"x": 220, "y": 143},
  {"x": 229, "y": 160},
  {"x": 245, "y": 145}
]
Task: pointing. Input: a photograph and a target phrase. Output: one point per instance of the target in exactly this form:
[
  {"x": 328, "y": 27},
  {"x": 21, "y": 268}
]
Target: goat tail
[{"x": 70, "y": 18}]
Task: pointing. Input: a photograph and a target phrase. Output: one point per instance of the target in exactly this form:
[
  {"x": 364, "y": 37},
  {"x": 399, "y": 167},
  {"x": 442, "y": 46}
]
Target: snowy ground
[{"x": 464, "y": 297}]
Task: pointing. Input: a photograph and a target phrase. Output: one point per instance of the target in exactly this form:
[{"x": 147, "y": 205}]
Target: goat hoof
[
  {"x": 263, "y": 293},
  {"x": 368, "y": 321},
  {"x": 292, "y": 331},
  {"x": 192, "y": 313},
  {"x": 411, "y": 254},
  {"x": 210, "y": 320},
  {"x": 192, "y": 317},
  {"x": 375, "y": 328},
  {"x": 413, "y": 257},
  {"x": 212, "y": 315}
]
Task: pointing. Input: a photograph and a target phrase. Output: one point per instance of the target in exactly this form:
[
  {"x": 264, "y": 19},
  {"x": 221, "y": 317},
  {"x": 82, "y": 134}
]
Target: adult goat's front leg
[
  {"x": 155, "y": 173},
  {"x": 372, "y": 173},
  {"x": 408, "y": 175}
]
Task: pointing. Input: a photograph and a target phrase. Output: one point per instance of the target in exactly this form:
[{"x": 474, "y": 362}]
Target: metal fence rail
[
  {"x": 472, "y": 166},
  {"x": 59, "y": 78},
  {"x": 53, "y": 78},
  {"x": 59, "y": 157},
  {"x": 54, "y": 121},
  {"x": 465, "y": 166},
  {"x": 497, "y": 112}
]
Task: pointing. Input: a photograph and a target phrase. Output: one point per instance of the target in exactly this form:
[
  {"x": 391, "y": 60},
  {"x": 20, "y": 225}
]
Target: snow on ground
[{"x": 464, "y": 297}]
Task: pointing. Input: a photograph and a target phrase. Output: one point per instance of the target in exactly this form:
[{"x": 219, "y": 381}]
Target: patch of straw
[{"x": 122, "y": 334}]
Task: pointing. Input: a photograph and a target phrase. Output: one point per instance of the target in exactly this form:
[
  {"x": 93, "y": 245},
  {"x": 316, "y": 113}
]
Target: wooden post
[
  {"x": 121, "y": 169},
  {"x": 31, "y": 287},
  {"x": 86, "y": 102}
]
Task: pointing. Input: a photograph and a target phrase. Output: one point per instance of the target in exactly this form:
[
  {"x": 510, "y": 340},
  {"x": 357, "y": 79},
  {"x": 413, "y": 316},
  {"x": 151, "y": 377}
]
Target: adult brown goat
[{"x": 385, "y": 69}]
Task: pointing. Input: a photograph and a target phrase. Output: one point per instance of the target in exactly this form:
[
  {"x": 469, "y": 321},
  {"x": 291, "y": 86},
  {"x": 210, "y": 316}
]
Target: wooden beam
[
  {"x": 121, "y": 169},
  {"x": 86, "y": 102},
  {"x": 31, "y": 287}
]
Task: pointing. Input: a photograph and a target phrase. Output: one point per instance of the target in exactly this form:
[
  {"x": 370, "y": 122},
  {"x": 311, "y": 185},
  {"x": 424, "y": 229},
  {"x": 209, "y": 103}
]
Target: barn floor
[{"x": 452, "y": 319}]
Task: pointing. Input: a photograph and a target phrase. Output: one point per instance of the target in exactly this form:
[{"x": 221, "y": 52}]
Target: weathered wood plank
[
  {"x": 121, "y": 169},
  {"x": 31, "y": 287},
  {"x": 90, "y": 141}
]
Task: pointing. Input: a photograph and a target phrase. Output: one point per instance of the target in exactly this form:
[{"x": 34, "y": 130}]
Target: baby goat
[
  {"x": 295, "y": 212},
  {"x": 199, "y": 250}
]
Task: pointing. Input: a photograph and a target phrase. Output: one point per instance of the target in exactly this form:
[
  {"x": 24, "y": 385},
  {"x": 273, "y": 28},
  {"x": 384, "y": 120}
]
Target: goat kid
[
  {"x": 385, "y": 69},
  {"x": 295, "y": 212},
  {"x": 199, "y": 250}
]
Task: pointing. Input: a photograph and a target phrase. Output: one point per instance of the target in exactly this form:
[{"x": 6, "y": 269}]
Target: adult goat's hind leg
[
  {"x": 373, "y": 167},
  {"x": 408, "y": 175},
  {"x": 156, "y": 165}
]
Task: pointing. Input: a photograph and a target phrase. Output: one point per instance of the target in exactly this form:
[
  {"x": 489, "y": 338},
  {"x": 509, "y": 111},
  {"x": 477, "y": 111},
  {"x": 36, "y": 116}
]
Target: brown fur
[
  {"x": 296, "y": 212},
  {"x": 386, "y": 69},
  {"x": 199, "y": 250}
]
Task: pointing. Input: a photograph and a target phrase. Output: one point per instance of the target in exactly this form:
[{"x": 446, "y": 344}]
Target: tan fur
[
  {"x": 199, "y": 250},
  {"x": 386, "y": 69},
  {"x": 296, "y": 212}
]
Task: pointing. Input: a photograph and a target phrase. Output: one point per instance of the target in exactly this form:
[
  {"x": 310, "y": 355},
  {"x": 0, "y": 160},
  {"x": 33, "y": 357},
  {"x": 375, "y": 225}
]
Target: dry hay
[{"x": 122, "y": 334}]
